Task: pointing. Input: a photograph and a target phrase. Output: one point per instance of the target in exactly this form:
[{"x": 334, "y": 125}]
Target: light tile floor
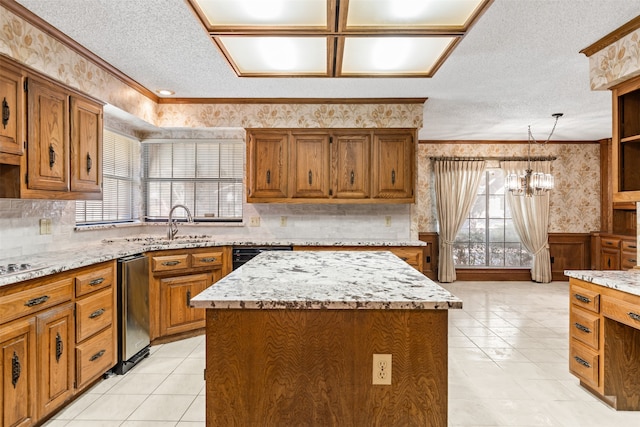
[{"x": 508, "y": 366}]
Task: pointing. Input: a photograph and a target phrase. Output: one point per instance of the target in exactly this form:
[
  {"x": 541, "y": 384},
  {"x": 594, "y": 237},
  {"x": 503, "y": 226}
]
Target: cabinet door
[
  {"x": 18, "y": 361},
  {"x": 310, "y": 157},
  {"x": 47, "y": 137},
  {"x": 176, "y": 293},
  {"x": 11, "y": 93},
  {"x": 393, "y": 159},
  {"x": 86, "y": 146},
  {"x": 610, "y": 259},
  {"x": 351, "y": 157},
  {"x": 55, "y": 357},
  {"x": 267, "y": 165}
]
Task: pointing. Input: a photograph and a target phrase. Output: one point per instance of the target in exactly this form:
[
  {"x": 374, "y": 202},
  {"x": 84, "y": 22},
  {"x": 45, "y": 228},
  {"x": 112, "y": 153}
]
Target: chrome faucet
[{"x": 173, "y": 226}]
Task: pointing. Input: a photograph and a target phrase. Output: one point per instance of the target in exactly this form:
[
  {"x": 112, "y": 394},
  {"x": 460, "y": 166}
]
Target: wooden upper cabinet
[
  {"x": 351, "y": 154},
  {"x": 393, "y": 165},
  {"x": 331, "y": 165},
  {"x": 11, "y": 103},
  {"x": 310, "y": 163},
  {"x": 626, "y": 142},
  {"x": 86, "y": 145},
  {"x": 48, "y": 136},
  {"x": 267, "y": 165}
]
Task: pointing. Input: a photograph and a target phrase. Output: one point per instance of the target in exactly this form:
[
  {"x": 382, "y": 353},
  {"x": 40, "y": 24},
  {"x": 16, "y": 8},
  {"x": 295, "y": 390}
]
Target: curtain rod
[{"x": 502, "y": 159}]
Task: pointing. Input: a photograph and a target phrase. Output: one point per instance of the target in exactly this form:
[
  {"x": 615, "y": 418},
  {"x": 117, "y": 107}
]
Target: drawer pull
[
  {"x": 632, "y": 246},
  {"x": 353, "y": 178},
  {"x": 404, "y": 258},
  {"x": 268, "y": 176},
  {"x": 59, "y": 347},
  {"x": 97, "y": 356},
  {"x": 52, "y": 156},
  {"x": 96, "y": 282},
  {"x": 36, "y": 301},
  {"x": 99, "y": 312},
  {"x": 171, "y": 263},
  {"x": 209, "y": 259},
  {"x": 582, "y": 298},
  {"x": 188, "y": 298},
  {"x": 581, "y": 361},
  {"x": 634, "y": 316},
  {"x": 631, "y": 260},
  {"x": 582, "y": 328},
  {"x": 15, "y": 369},
  {"x": 393, "y": 176},
  {"x": 6, "y": 113}
]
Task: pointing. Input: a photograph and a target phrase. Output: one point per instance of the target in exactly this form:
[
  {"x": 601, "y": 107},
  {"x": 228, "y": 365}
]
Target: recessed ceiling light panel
[{"x": 393, "y": 55}]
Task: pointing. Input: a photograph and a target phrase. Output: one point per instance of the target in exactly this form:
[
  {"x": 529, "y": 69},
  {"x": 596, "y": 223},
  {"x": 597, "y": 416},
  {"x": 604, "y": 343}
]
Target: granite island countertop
[
  {"x": 51, "y": 262},
  {"x": 626, "y": 281},
  {"x": 326, "y": 280}
]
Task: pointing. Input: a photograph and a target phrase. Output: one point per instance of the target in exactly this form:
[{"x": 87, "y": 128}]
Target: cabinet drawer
[
  {"x": 411, "y": 256},
  {"x": 28, "y": 301},
  {"x": 621, "y": 311},
  {"x": 630, "y": 246},
  {"x": 584, "y": 364},
  {"x": 609, "y": 242},
  {"x": 93, "y": 314},
  {"x": 206, "y": 259},
  {"x": 628, "y": 260},
  {"x": 94, "y": 357},
  {"x": 585, "y": 298},
  {"x": 94, "y": 280},
  {"x": 584, "y": 327},
  {"x": 170, "y": 262}
]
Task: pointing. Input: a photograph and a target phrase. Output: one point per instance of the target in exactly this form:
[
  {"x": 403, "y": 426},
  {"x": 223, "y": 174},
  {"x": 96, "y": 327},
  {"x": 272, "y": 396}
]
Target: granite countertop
[
  {"x": 46, "y": 263},
  {"x": 326, "y": 280},
  {"x": 626, "y": 281}
]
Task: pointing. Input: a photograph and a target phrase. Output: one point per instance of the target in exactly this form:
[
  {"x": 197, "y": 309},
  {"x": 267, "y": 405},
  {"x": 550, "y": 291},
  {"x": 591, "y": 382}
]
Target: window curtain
[
  {"x": 531, "y": 219},
  {"x": 456, "y": 186}
]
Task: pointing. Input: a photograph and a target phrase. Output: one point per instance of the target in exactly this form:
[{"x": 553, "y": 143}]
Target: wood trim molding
[
  {"x": 612, "y": 37},
  {"x": 488, "y": 141},
  {"x": 292, "y": 100},
  {"x": 47, "y": 28}
]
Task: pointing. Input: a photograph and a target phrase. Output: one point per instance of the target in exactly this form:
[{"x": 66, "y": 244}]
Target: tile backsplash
[{"x": 20, "y": 225}]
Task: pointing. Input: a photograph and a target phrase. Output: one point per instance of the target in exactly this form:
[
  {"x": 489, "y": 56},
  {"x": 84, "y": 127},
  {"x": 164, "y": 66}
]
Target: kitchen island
[{"x": 291, "y": 338}]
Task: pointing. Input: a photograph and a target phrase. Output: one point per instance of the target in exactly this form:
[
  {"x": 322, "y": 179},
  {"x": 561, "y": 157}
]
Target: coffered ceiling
[{"x": 518, "y": 64}]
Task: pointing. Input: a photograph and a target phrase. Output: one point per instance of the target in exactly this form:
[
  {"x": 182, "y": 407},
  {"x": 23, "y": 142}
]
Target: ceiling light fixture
[
  {"x": 532, "y": 183},
  {"x": 165, "y": 92},
  {"x": 329, "y": 35}
]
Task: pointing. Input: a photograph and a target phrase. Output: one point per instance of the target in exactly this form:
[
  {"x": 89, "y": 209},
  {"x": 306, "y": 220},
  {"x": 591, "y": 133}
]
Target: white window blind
[
  {"x": 204, "y": 175},
  {"x": 120, "y": 184}
]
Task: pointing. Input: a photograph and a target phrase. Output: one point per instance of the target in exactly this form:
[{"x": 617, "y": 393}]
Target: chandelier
[{"x": 532, "y": 183}]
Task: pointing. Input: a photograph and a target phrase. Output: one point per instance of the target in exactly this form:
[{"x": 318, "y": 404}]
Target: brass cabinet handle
[
  {"x": 97, "y": 356},
  {"x": 268, "y": 176},
  {"x": 353, "y": 177},
  {"x": 632, "y": 246},
  {"x": 15, "y": 369},
  {"x": 581, "y": 361},
  {"x": 6, "y": 113},
  {"x": 89, "y": 163},
  {"x": 96, "y": 282},
  {"x": 582, "y": 328},
  {"x": 209, "y": 259},
  {"x": 52, "y": 156},
  {"x": 59, "y": 347},
  {"x": 310, "y": 178},
  {"x": 99, "y": 312},
  {"x": 171, "y": 263},
  {"x": 582, "y": 298},
  {"x": 36, "y": 301},
  {"x": 634, "y": 316},
  {"x": 393, "y": 176},
  {"x": 188, "y": 297}
]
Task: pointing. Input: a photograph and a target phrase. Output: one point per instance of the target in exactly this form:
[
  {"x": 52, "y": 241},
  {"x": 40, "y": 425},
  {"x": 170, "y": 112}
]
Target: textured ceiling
[{"x": 519, "y": 64}]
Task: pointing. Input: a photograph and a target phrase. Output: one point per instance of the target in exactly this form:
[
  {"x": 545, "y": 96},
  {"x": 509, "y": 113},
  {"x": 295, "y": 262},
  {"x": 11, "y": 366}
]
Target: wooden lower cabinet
[
  {"x": 175, "y": 276},
  {"x": 613, "y": 252},
  {"x": 42, "y": 368}
]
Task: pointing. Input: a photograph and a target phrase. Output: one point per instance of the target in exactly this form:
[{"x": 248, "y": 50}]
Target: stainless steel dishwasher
[{"x": 133, "y": 312}]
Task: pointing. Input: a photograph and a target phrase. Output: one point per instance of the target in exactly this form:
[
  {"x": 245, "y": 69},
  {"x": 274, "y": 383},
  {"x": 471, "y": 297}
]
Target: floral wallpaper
[
  {"x": 574, "y": 202},
  {"x": 616, "y": 62}
]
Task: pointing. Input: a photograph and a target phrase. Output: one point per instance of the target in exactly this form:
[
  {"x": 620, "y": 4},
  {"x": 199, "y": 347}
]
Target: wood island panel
[{"x": 314, "y": 367}]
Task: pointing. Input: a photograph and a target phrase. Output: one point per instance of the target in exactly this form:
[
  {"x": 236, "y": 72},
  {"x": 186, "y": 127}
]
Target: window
[
  {"x": 120, "y": 184},
  {"x": 204, "y": 175},
  {"x": 488, "y": 237}
]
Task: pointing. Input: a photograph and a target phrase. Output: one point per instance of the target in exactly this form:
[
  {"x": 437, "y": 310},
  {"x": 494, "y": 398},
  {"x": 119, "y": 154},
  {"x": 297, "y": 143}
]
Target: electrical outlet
[
  {"x": 45, "y": 226},
  {"x": 283, "y": 221},
  {"x": 381, "y": 369},
  {"x": 254, "y": 221},
  {"x": 387, "y": 221}
]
